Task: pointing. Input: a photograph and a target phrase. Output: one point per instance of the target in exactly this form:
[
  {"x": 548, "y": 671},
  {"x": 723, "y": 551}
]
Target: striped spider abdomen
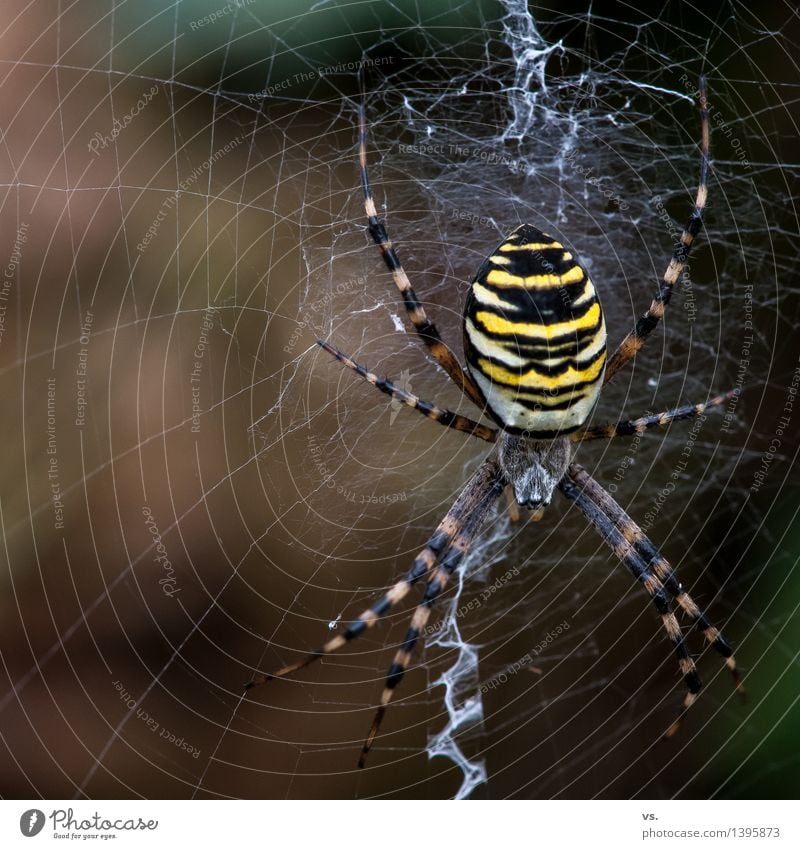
[{"x": 535, "y": 337}]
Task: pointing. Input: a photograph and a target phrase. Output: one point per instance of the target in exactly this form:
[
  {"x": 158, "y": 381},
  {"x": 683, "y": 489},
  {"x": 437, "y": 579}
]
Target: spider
[{"x": 535, "y": 347}]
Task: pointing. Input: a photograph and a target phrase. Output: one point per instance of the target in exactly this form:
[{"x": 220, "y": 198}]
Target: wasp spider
[{"x": 535, "y": 346}]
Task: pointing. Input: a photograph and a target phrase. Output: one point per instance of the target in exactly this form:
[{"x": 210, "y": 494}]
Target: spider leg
[
  {"x": 426, "y": 329},
  {"x": 431, "y": 411},
  {"x": 436, "y": 584},
  {"x": 628, "y": 427},
  {"x": 661, "y": 567},
  {"x": 636, "y": 338},
  {"x": 511, "y": 503},
  {"x": 630, "y": 558},
  {"x": 479, "y": 493}
]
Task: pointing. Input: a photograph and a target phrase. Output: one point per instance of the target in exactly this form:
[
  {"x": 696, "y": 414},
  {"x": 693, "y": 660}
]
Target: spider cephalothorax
[
  {"x": 533, "y": 468},
  {"x": 535, "y": 344}
]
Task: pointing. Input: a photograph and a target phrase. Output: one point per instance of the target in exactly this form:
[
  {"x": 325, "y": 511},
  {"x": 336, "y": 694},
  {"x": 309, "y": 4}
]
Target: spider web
[{"x": 205, "y": 494}]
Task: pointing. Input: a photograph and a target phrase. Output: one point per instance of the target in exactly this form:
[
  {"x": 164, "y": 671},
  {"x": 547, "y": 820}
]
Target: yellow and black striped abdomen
[{"x": 534, "y": 336}]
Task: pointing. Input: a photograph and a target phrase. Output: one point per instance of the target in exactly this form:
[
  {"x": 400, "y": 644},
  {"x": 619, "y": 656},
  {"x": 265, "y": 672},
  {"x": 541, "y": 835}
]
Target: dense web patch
[{"x": 206, "y": 494}]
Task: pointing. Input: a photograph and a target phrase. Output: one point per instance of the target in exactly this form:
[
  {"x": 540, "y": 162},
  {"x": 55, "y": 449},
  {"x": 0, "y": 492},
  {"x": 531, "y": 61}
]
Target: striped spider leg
[
  {"x": 446, "y": 547},
  {"x": 623, "y": 427},
  {"x": 425, "y": 328},
  {"x": 431, "y": 411},
  {"x": 635, "y": 339},
  {"x": 628, "y": 427},
  {"x": 635, "y": 551}
]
